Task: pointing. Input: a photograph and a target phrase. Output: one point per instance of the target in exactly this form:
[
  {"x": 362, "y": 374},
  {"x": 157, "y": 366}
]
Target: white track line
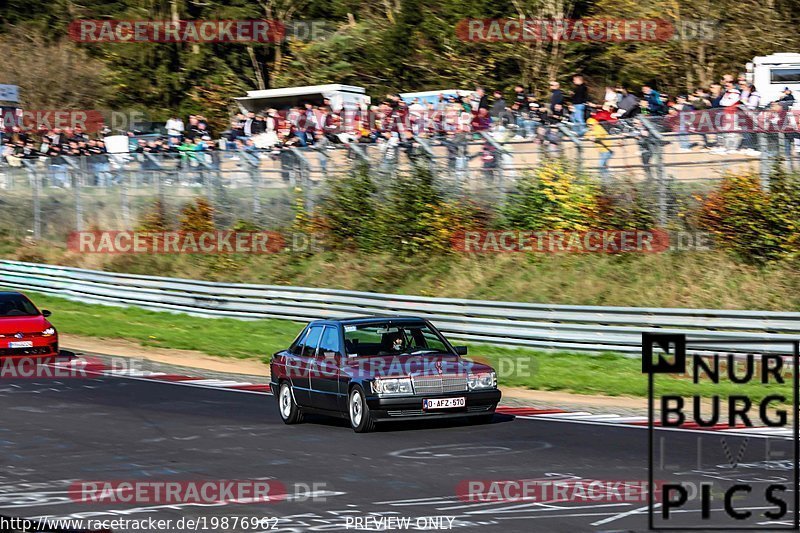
[{"x": 208, "y": 384}]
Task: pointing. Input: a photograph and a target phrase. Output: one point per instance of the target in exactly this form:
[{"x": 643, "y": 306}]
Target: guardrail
[{"x": 562, "y": 327}]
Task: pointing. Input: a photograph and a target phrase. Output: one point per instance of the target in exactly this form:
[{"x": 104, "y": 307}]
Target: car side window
[
  {"x": 297, "y": 346},
  {"x": 329, "y": 345},
  {"x": 312, "y": 340},
  {"x": 432, "y": 342}
]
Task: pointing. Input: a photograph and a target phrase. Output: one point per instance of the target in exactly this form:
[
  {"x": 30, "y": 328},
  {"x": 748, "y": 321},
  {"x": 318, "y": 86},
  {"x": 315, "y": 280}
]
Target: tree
[
  {"x": 52, "y": 75},
  {"x": 696, "y": 56}
]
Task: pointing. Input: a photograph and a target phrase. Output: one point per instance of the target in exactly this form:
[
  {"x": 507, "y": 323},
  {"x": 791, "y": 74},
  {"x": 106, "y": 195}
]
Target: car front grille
[
  {"x": 439, "y": 384},
  {"x": 405, "y": 412},
  {"x": 420, "y": 412}
]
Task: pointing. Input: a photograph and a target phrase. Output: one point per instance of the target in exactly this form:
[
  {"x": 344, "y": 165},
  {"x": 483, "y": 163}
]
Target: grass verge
[
  {"x": 605, "y": 374},
  {"x": 677, "y": 279}
]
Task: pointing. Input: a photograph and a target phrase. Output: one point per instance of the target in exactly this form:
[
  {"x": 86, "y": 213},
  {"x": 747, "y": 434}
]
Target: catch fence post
[
  {"x": 505, "y": 160},
  {"x": 303, "y": 167},
  {"x": 577, "y": 142},
  {"x": 253, "y": 170},
  {"x": 74, "y": 172},
  {"x": 427, "y": 152},
  {"x": 765, "y": 161},
  {"x": 36, "y": 192},
  {"x": 124, "y": 201},
  {"x": 658, "y": 143}
]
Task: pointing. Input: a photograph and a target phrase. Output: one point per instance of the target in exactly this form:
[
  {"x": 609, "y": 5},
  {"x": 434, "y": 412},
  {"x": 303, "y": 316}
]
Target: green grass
[
  {"x": 607, "y": 373},
  {"x": 224, "y": 337},
  {"x": 680, "y": 279}
]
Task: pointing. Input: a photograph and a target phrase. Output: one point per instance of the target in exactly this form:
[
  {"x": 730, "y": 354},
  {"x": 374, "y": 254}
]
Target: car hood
[
  {"x": 412, "y": 365},
  {"x": 9, "y": 325}
]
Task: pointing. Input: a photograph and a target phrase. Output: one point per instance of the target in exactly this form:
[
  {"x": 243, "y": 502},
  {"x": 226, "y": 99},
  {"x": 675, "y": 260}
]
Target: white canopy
[{"x": 339, "y": 96}]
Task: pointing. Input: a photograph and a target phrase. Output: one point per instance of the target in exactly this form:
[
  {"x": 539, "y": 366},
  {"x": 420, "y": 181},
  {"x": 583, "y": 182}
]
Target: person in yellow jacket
[{"x": 598, "y": 134}]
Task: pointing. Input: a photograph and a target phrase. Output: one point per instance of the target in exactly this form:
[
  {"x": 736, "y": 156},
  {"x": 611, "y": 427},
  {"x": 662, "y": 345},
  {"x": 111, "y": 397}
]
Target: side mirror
[
  {"x": 461, "y": 350},
  {"x": 46, "y": 313}
]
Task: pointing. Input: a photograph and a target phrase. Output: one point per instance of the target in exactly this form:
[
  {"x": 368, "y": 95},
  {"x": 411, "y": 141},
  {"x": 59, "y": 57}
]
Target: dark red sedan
[
  {"x": 25, "y": 331},
  {"x": 372, "y": 369}
]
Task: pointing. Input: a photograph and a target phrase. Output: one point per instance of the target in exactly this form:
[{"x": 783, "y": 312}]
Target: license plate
[
  {"x": 444, "y": 403},
  {"x": 20, "y": 344}
]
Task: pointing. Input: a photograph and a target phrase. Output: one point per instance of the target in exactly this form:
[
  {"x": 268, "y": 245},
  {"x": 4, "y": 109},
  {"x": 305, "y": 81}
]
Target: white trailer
[
  {"x": 339, "y": 96},
  {"x": 773, "y": 73}
]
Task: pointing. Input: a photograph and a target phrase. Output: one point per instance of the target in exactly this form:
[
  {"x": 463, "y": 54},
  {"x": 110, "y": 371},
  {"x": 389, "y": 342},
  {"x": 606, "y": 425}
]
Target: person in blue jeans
[
  {"x": 580, "y": 96},
  {"x": 599, "y": 135}
]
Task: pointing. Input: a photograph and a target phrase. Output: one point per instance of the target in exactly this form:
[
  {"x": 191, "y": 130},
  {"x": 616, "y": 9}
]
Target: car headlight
[
  {"x": 392, "y": 386},
  {"x": 49, "y": 331},
  {"x": 486, "y": 380}
]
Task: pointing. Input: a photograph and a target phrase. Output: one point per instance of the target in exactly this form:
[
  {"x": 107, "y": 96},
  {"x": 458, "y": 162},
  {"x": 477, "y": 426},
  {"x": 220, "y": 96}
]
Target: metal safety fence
[
  {"x": 49, "y": 197},
  {"x": 543, "y": 326}
]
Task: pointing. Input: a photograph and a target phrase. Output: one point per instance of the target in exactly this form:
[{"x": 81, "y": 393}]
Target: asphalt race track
[{"x": 111, "y": 428}]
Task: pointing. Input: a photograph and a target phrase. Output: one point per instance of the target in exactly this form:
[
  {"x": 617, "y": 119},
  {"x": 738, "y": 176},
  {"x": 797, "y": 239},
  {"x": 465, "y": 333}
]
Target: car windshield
[
  {"x": 16, "y": 305},
  {"x": 388, "y": 338}
]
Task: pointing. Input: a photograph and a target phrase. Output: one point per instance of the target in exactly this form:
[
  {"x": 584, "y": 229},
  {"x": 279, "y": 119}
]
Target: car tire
[
  {"x": 361, "y": 420},
  {"x": 289, "y": 410}
]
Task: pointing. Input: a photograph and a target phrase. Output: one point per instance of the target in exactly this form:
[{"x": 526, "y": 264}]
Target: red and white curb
[
  {"x": 525, "y": 413},
  {"x": 101, "y": 369}
]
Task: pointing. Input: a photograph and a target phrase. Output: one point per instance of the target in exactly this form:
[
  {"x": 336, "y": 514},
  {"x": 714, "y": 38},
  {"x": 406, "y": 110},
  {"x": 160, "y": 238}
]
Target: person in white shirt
[
  {"x": 750, "y": 100},
  {"x": 612, "y": 97},
  {"x": 731, "y": 99},
  {"x": 389, "y": 150},
  {"x": 753, "y": 98},
  {"x": 175, "y": 129}
]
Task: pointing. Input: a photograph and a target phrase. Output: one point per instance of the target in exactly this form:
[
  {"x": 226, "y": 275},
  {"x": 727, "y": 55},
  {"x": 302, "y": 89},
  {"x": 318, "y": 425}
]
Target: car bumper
[
  {"x": 43, "y": 348},
  {"x": 410, "y": 407}
]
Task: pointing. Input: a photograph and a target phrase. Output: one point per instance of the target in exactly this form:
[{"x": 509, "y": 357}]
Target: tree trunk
[{"x": 256, "y": 68}]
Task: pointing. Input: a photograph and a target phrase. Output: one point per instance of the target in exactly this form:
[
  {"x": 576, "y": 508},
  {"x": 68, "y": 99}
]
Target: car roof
[
  {"x": 369, "y": 319},
  {"x": 11, "y": 293}
]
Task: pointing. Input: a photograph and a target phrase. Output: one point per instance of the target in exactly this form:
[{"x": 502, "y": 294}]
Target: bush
[
  {"x": 417, "y": 218},
  {"x": 625, "y": 205},
  {"x": 197, "y": 216},
  {"x": 154, "y": 218},
  {"x": 412, "y": 217},
  {"x": 756, "y": 225},
  {"x": 552, "y": 197},
  {"x": 347, "y": 213}
]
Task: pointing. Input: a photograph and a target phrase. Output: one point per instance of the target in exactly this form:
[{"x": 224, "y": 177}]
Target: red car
[{"x": 25, "y": 331}]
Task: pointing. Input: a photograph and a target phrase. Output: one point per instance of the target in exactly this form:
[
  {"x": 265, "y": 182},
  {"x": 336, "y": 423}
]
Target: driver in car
[{"x": 394, "y": 342}]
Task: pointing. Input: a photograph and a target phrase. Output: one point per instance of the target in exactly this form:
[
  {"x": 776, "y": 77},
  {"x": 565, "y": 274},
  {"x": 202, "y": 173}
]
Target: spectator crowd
[{"x": 400, "y": 125}]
